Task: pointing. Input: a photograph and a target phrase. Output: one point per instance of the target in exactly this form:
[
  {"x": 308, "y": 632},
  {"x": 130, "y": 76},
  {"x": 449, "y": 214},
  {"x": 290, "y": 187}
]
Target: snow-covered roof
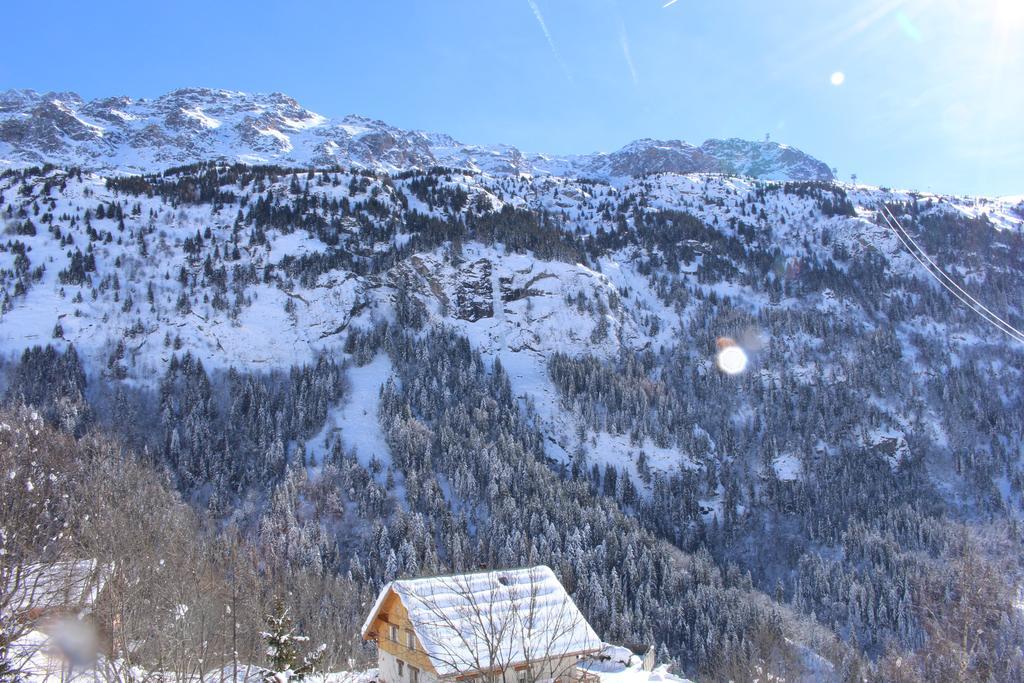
[
  {"x": 490, "y": 620},
  {"x": 68, "y": 584}
]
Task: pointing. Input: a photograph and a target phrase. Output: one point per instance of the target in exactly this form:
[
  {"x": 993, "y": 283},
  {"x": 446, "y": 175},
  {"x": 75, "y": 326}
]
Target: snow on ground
[
  {"x": 619, "y": 665},
  {"x": 297, "y": 243},
  {"x": 537, "y": 322},
  {"x": 787, "y": 467},
  {"x": 616, "y": 449},
  {"x": 355, "y": 421},
  {"x": 66, "y": 653},
  {"x": 889, "y": 443},
  {"x": 634, "y": 673},
  {"x": 196, "y": 115},
  {"x": 43, "y": 658},
  {"x": 47, "y": 661},
  {"x": 345, "y": 677}
]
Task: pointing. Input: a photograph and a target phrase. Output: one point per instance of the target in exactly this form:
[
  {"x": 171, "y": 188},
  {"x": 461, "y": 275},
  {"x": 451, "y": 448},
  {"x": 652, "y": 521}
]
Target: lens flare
[{"x": 731, "y": 360}]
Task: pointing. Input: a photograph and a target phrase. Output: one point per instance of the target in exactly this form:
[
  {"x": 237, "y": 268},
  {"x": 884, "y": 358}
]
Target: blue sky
[{"x": 931, "y": 98}]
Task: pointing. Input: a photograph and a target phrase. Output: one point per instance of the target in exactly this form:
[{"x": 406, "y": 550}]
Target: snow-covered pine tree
[{"x": 282, "y": 649}]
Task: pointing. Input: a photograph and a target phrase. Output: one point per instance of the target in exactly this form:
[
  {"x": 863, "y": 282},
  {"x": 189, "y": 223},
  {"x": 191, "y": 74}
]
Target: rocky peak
[
  {"x": 765, "y": 159},
  {"x": 646, "y": 156},
  {"x": 120, "y": 134}
]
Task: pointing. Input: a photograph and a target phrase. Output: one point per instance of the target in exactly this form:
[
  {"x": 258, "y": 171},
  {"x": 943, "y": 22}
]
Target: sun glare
[
  {"x": 1002, "y": 17},
  {"x": 1008, "y": 13},
  {"x": 732, "y": 360}
]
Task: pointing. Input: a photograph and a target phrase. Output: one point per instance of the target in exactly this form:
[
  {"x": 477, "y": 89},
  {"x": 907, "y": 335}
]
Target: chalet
[{"x": 514, "y": 626}]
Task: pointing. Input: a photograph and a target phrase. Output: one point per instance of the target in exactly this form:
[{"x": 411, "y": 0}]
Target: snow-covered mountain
[
  {"x": 119, "y": 134},
  {"x": 378, "y": 373},
  {"x": 519, "y": 301}
]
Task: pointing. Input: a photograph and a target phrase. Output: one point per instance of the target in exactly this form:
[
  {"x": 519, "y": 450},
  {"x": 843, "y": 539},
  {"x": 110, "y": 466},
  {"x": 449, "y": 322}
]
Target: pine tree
[{"x": 282, "y": 651}]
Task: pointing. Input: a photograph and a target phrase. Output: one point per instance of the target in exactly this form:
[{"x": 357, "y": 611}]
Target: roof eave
[{"x": 375, "y": 610}]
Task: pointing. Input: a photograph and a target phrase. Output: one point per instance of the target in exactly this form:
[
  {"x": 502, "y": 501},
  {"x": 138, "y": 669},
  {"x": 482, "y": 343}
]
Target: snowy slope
[{"x": 127, "y": 316}]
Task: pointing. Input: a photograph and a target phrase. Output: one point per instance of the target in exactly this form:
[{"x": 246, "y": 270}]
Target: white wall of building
[{"x": 387, "y": 664}]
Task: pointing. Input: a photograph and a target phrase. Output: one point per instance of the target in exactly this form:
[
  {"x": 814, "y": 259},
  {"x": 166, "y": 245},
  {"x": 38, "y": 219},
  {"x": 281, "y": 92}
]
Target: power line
[
  {"x": 947, "y": 276},
  {"x": 959, "y": 292},
  {"x": 961, "y": 295},
  {"x": 988, "y": 314}
]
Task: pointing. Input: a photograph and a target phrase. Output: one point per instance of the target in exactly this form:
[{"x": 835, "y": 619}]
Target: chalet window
[
  {"x": 414, "y": 675},
  {"x": 393, "y": 633},
  {"x": 401, "y": 667},
  {"x": 521, "y": 676},
  {"x": 410, "y": 640}
]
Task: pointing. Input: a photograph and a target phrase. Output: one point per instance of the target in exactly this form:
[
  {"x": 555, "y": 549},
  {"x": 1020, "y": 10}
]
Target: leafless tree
[
  {"x": 80, "y": 515},
  {"x": 969, "y": 614},
  {"x": 35, "y": 572},
  {"x": 180, "y": 596}
]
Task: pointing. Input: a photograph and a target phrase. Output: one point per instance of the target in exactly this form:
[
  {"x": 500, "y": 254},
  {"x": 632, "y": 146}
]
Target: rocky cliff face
[
  {"x": 766, "y": 160},
  {"x": 119, "y": 134}
]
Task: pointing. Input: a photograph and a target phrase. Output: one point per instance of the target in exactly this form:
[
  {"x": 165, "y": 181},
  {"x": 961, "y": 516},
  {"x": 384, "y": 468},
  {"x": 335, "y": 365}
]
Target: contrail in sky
[
  {"x": 624, "y": 41},
  {"x": 669, "y": 3},
  {"x": 547, "y": 36}
]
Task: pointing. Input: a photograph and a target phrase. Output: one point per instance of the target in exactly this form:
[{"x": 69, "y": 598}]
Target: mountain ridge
[
  {"x": 124, "y": 135},
  {"x": 380, "y": 375}
]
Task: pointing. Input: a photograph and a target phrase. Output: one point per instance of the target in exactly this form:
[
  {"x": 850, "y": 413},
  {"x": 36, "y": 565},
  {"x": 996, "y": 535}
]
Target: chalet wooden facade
[{"x": 515, "y": 626}]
